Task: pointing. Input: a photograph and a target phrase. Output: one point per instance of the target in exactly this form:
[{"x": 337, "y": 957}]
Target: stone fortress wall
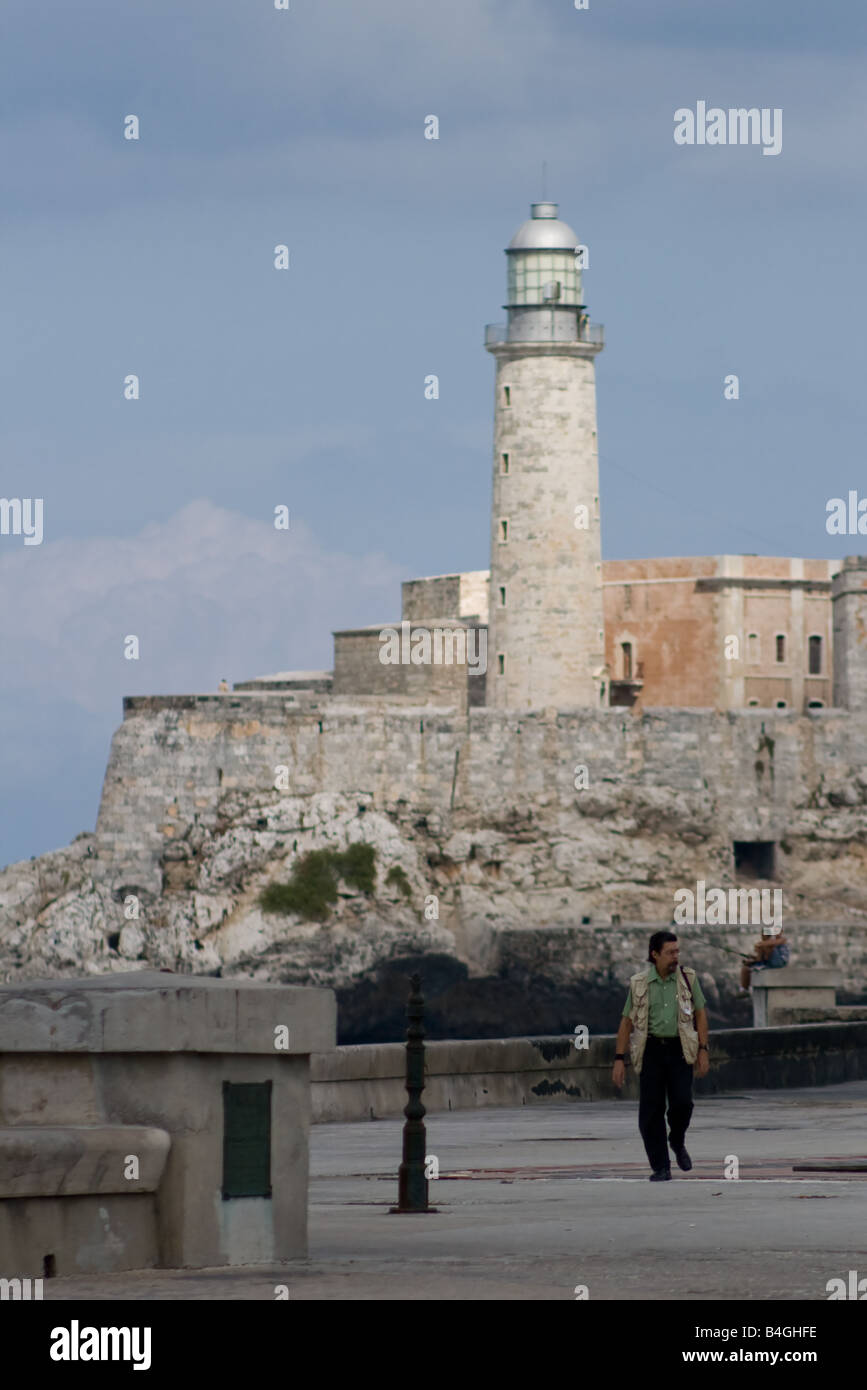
[
  {"x": 479, "y": 810},
  {"x": 705, "y": 777}
]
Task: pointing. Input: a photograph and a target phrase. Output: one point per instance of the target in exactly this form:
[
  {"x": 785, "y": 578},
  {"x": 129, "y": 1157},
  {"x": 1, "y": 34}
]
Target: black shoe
[
  {"x": 683, "y": 1159},
  {"x": 660, "y": 1175}
]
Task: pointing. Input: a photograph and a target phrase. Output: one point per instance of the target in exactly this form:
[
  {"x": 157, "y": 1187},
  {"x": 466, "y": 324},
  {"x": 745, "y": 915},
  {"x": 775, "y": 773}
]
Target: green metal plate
[{"x": 246, "y": 1139}]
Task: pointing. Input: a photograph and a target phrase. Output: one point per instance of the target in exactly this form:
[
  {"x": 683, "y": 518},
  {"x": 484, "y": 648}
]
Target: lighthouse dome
[{"x": 543, "y": 231}]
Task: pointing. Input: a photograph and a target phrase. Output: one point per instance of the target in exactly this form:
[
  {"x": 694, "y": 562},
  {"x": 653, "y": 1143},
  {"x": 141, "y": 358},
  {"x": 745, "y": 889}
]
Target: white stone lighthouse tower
[{"x": 545, "y": 641}]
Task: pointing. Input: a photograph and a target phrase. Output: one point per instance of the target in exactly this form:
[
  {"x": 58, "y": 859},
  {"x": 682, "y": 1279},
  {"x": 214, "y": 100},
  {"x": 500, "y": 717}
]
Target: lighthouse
[{"x": 545, "y": 642}]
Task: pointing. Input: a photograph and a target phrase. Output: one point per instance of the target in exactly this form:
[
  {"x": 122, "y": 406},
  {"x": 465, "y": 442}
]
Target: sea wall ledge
[
  {"x": 271, "y": 706},
  {"x": 155, "y": 1012},
  {"x": 367, "y": 1081},
  {"x": 241, "y": 699},
  {"x": 840, "y": 731}
]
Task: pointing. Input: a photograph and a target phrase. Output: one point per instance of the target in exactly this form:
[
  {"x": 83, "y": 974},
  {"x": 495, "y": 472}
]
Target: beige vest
[{"x": 641, "y": 1009}]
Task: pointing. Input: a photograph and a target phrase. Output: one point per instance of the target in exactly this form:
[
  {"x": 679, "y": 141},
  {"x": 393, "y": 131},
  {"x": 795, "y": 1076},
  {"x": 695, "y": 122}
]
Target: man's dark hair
[{"x": 658, "y": 940}]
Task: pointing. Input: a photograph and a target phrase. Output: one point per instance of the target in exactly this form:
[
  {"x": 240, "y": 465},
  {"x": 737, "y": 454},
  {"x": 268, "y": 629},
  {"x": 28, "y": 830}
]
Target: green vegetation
[
  {"x": 356, "y": 867},
  {"x": 397, "y": 876},
  {"x": 312, "y": 890}
]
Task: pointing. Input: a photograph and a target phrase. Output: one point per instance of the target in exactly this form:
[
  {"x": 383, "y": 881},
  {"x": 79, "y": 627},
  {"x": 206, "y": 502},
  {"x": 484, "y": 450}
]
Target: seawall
[{"x": 360, "y": 1083}]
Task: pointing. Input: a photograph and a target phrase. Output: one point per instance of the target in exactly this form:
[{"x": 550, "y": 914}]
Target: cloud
[{"x": 208, "y": 592}]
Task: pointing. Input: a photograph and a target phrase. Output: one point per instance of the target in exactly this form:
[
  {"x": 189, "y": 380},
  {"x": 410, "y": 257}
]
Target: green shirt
[{"x": 662, "y": 1003}]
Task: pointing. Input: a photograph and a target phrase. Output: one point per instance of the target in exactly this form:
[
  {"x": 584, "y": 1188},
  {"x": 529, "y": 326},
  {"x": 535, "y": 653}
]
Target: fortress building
[{"x": 558, "y": 626}]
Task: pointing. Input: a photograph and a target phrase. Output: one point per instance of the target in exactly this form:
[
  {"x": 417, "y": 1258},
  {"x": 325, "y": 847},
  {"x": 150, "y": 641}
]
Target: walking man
[{"x": 666, "y": 1017}]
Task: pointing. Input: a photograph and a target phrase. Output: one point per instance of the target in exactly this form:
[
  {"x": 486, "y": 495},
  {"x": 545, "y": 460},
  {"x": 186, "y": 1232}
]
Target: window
[
  {"x": 626, "y": 651},
  {"x": 507, "y": 395},
  {"x": 754, "y": 858},
  {"x": 529, "y": 271},
  {"x": 501, "y": 664},
  {"x": 781, "y": 704},
  {"x": 753, "y": 648},
  {"x": 781, "y": 647},
  {"x": 815, "y": 664},
  {"x": 752, "y": 703},
  {"x": 504, "y": 531},
  {"x": 504, "y": 463},
  {"x": 502, "y": 597},
  {"x": 815, "y": 704}
]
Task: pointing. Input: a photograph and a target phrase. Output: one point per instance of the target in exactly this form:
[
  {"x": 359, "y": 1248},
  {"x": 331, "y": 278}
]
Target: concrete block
[
  {"x": 81, "y": 1235},
  {"x": 70, "y": 1160},
  {"x": 797, "y": 977},
  {"x": 152, "y": 1011},
  {"x": 147, "y": 1057},
  {"x": 777, "y": 992}
]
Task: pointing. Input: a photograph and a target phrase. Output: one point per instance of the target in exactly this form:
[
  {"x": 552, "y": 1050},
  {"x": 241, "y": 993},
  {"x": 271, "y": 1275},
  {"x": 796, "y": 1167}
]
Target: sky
[{"x": 304, "y": 387}]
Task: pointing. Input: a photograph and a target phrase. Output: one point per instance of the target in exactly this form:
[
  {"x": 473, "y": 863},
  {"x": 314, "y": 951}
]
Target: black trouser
[{"x": 664, "y": 1070}]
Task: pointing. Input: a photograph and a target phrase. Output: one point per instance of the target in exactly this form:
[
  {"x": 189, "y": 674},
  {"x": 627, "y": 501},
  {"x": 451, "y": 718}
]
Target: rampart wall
[{"x": 518, "y": 840}]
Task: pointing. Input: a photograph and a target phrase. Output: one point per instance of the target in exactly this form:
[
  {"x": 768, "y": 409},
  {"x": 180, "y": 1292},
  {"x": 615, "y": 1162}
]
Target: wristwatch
[
  {"x": 620, "y": 1056},
  {"x": 702, "y": 1047}
]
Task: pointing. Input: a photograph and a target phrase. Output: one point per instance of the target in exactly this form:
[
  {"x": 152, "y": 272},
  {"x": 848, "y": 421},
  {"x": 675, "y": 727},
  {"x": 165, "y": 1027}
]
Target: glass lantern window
[{"x": 531, "y": 270}]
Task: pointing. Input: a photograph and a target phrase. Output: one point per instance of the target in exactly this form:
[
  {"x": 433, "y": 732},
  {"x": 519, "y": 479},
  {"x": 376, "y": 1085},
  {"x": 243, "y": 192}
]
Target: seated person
[{"x": 770, "y": 953}]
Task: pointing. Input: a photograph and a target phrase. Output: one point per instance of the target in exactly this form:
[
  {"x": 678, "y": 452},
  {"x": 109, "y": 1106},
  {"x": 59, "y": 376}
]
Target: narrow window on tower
[
  {"x": 753, "y": 653},
  {"x": 501, "y": 664},
  {"x": 815, "y": 656},
  {"x": 502, "y": 597},
  {"x": 507, "y": 395},
  {"x": 781, "y": 647},
  {"x": 626, "y": 650},
  {"x": 504, "y": 463},
  {"x": 504, "y": 531}
]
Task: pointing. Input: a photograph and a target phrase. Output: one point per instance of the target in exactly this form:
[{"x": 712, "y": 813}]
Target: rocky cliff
[{"x": 492, "y": 867}]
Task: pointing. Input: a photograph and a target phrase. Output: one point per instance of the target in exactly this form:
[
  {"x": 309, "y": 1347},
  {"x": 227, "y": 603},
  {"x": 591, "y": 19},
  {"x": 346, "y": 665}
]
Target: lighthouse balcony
[{"x": 495, "y": 333}]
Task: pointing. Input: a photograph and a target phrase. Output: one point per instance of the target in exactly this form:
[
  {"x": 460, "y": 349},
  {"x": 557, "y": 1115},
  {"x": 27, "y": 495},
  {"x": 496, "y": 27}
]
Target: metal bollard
[{"x": 412, "y": 1185}]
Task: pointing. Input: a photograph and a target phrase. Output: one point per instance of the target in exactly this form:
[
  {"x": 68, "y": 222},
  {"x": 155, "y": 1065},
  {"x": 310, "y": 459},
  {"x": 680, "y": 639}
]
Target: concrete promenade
[{"x": 536, "y": 1200}]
